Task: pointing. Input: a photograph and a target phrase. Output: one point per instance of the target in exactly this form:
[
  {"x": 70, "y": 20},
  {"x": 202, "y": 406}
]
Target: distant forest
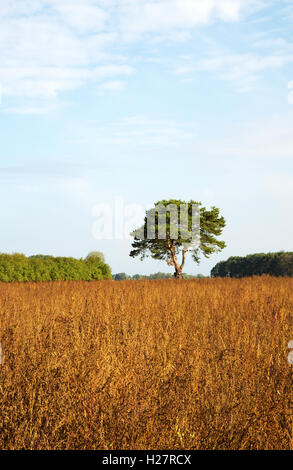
[
  {"x": 19, "y": 268},
  {"x": 274, "y": 264},
  {"x": 159, "y": 275}
]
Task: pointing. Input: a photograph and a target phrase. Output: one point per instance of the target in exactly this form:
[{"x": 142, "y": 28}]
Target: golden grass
[{"x": 147, "y": 364}]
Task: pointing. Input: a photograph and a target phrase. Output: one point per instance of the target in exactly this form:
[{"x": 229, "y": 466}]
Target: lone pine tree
[{"x": 173, "y": 228}]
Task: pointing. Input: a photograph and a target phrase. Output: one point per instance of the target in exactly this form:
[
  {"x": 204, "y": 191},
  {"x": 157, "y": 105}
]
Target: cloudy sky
[{"x": 140, "y": 100}]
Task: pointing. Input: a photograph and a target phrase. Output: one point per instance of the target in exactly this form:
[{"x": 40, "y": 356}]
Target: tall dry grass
[{"x": 147, "y": 365}]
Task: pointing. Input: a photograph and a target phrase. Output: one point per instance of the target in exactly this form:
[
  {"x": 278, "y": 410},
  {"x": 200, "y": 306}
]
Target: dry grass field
[{"x": 147, "y": 364}]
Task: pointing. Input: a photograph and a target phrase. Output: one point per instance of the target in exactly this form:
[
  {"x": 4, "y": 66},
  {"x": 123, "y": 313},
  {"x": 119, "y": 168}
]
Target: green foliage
[
  {"x": 19, "y": 268},
  {"x": 120, "y": 277},
  {"x": 274, "y": 264},
  {"x": 95, "y": 254},
  {"x": 169, "y": 247}
]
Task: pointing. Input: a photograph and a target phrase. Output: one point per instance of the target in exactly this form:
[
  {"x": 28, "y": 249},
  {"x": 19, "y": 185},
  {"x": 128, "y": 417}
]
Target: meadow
[{"x": 197, "y": 364}]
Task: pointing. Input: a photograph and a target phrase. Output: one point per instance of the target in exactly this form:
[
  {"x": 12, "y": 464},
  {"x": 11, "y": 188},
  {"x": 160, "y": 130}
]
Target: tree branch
[{"x": 183, "y": 258}]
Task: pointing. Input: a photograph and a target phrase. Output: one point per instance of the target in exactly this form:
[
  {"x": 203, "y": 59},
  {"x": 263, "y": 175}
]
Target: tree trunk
[
  {"x": 178, "y": 268},
  {"x": 178, "y": 273}
]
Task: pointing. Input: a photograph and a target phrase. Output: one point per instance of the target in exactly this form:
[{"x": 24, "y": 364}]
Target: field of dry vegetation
[{"x": 147, "y": 364}]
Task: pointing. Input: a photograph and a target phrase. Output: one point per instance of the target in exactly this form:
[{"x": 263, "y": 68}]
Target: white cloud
[
  {"x": 112, "y": 71},
  {"x": 48, "y": 81},
  {"x": 156, "y": 16},
  {"x": 174, "y": 36},
  {"x": 31, "y": 110},
  {"x": 114, "y": 85},
  {"x": 81, "y": 16},
  {"x": 263, "y": 138},
  {"x": 241, "y": 69},
  {"x": 138, "y": 131},
  {"x": 279, "y": 43},
  {"x": 50, "y": 46}
]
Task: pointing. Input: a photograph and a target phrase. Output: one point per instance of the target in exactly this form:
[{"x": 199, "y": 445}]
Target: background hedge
[
  {"x": 274, "y": 264},
  {"x": 18, "y": 267}
]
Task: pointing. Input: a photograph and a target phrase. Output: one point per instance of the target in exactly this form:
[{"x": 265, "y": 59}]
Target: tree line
[
  {"x": 274, "y": 264},
  {"x": 159, "y": 275},
  {"x": 19, "y": 268}
]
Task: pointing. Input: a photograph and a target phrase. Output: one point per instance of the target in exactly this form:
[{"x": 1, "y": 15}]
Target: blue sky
[{"x": 144, "y": 100}]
